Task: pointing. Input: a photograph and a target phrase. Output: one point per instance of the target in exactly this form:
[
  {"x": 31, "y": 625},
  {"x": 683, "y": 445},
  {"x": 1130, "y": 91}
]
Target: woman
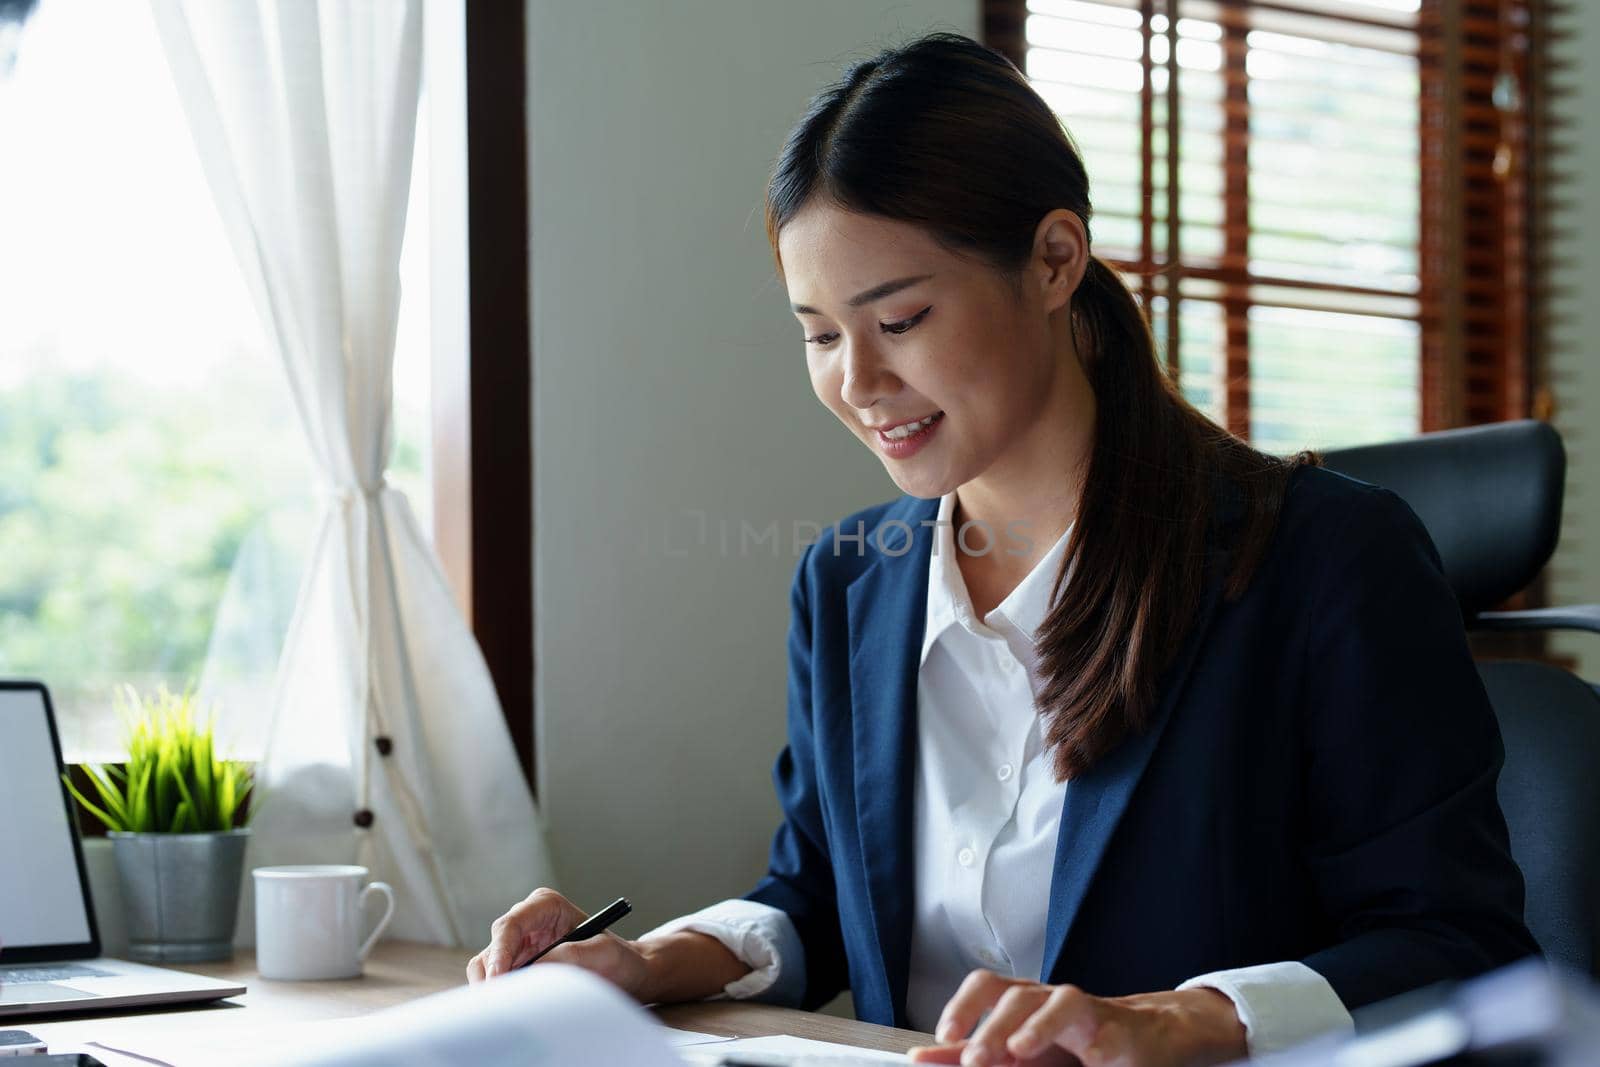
[{"x": 1125, "y": 740}]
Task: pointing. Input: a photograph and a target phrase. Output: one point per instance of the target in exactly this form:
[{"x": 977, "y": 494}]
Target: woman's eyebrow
[{"x": 867, "y": 296}]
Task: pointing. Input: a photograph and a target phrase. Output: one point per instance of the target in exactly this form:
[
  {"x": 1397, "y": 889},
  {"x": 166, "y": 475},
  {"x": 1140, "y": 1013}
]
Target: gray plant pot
[{"x": 180, "y": 893}]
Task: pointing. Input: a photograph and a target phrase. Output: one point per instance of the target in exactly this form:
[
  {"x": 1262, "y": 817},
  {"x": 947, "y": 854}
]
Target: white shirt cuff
[
  {"x": 1280, "y": 1004},
  {"x": 761, "y": 937}
]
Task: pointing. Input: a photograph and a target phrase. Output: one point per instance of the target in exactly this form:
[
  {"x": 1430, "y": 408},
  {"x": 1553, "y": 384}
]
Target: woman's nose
[{"x": 866, "y": 378}]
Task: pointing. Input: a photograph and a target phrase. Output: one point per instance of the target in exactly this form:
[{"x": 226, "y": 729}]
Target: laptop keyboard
[{"x": 57, "y": 973}]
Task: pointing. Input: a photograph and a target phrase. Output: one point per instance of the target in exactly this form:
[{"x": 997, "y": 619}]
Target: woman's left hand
[{"x": 1035, "y": 1025}]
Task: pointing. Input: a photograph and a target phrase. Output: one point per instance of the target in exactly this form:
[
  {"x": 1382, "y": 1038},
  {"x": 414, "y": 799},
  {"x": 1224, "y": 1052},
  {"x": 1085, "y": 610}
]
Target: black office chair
[{"x": 1490, "y": 497}]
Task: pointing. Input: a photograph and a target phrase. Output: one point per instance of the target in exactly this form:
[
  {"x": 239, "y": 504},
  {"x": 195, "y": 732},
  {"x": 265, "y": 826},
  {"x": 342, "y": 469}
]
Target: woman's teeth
[{"x": 902, "y": 432}]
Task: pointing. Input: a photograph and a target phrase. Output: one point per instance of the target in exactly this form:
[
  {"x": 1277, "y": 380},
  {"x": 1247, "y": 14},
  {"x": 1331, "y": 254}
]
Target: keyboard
[{"x": 54, "y": 973}]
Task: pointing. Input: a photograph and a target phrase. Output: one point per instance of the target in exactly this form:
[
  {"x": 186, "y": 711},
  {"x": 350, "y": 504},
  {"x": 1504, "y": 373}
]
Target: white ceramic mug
[{"x": 308, "y": 921}]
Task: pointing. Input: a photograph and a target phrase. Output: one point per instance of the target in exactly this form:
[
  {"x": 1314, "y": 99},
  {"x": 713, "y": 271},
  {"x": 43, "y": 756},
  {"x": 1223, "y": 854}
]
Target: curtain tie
[{"x": 344, "y": 495}]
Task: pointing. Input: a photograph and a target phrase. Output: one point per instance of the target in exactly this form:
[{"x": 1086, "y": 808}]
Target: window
[
  {"x": 155, "y": 491},
  {"x": 1270, "y": 176}
]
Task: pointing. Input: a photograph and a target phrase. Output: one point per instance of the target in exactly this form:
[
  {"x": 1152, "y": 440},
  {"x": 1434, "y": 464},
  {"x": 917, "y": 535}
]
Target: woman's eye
[
  {"x": 905, "y": 324},
  {"x": 822, "y": 340}
]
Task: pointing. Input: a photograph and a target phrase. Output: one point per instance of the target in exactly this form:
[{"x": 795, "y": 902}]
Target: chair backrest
[{"x": 1490, "y": 498}]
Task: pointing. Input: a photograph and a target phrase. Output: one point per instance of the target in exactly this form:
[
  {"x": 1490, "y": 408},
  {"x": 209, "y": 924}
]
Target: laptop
[{"x": 49, "y": 943}]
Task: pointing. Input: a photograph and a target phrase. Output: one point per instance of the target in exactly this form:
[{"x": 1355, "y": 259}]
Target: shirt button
[
  {"x": 989, "y": 959},
  {"x": 1008, "y": 663},
  {"x": 966, "y": 857},
  {"x": 1004, "y": 772}
]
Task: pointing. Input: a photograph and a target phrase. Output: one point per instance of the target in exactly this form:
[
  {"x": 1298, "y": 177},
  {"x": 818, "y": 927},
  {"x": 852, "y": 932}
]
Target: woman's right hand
[{"x": 540, "y": 920}]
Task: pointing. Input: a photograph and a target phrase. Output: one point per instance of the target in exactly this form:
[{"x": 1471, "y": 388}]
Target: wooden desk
[{"x": 398, "y": 971}]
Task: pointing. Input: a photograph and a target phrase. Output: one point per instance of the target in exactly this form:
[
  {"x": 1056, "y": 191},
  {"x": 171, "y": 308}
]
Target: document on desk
[
  {"x": 552, "y": 1015},
  {"x": 267, "y": 1044},
  {"x": 784, "y": 1051}
]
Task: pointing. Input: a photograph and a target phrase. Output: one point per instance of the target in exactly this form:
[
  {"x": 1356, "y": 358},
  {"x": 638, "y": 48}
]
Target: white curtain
[{"x": 304, "y": 114}]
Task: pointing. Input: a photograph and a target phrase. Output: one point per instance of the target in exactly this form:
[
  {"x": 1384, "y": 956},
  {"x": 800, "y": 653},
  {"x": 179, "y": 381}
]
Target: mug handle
[{"x": 388, "y": 913}]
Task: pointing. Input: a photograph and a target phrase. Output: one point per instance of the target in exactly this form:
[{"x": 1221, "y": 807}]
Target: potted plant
[{"x": 176, "y": 818}]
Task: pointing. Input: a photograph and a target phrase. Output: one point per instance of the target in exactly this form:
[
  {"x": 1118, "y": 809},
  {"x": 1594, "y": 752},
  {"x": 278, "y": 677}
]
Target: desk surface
[{"x": 398, "y": 971}]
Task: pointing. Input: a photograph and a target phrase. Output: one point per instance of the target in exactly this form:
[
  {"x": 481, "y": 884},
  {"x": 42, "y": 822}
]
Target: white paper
[
  {"x": 241, "y": 1045},
  {"x": 109, "y": 1057},
  {"x": 553, "y": 1015},
  {"x": 685, "y": 1038},
  {"x": 785, "y": 1051},
  {"x": 549, "y": 1016}
]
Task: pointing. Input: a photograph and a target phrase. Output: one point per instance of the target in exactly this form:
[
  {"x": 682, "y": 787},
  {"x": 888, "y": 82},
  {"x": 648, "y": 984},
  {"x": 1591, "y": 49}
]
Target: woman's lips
[{"x": 906, "y": 439}]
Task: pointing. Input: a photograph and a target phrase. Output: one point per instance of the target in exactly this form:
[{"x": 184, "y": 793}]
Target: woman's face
[{"x": 935, "y": 361}]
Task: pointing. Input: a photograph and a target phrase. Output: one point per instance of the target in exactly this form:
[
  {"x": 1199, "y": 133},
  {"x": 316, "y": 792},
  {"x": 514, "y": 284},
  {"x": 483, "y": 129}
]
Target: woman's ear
[{"x": 1060, "y": 257}]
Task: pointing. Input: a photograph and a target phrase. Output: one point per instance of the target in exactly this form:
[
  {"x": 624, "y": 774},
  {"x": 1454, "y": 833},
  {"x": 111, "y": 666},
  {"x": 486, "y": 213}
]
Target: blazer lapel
[
  {"x": 887, "y": 610},
  {"x": 1096, "y": 799}
]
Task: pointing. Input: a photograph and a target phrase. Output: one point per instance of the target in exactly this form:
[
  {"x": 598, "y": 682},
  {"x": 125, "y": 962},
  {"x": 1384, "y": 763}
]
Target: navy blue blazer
[{"x": 1317, "y": 784}]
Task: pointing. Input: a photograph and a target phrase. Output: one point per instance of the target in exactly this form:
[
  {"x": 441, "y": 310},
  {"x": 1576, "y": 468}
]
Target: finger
[
  {"x": 505, "y": 938},
  {"x": 475, "y": 972},
  {"x": 575, "y": 953},
  {"x": 978, "y": 993},
  {"x": 987, "y": 1046},
  {"x": 1068, "y": 1018},
  {"x": 540, "y": 920},
  {"x": 597, "y": 954}
]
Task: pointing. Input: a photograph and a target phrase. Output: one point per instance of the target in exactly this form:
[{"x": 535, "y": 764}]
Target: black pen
[{"x": 589, "y": 927}]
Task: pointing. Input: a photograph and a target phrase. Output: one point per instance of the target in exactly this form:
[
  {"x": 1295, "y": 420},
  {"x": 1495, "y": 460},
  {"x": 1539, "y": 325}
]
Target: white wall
[
  {"x": 1575, "y": 340},
  {"x": 669, "y": 378}
]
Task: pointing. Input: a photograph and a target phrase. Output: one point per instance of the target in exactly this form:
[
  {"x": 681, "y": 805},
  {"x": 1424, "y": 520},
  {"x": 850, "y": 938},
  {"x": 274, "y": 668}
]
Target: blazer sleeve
[
  {"x": 1407, "y": 847},
  {"x": 800, "y": 877}
]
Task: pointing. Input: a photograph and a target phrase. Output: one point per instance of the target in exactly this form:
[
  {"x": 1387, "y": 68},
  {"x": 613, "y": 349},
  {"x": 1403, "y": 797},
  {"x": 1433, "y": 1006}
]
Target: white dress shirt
[{"x": 986, "y": 812}]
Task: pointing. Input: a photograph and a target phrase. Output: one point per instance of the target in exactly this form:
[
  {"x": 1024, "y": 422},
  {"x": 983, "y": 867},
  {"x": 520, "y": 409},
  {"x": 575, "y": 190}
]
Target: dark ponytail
[{"x": 947, "y": 134}]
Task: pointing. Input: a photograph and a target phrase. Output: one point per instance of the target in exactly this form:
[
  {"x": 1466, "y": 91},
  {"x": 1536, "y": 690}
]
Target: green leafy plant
[{"x": 172, "y": 783}]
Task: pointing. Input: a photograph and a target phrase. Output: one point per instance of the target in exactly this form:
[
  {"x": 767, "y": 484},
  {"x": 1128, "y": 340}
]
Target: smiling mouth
[{"x": 907, "y": 429}]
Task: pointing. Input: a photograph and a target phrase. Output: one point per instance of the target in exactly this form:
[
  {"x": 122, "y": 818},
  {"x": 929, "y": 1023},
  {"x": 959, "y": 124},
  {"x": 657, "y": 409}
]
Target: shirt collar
[{"x": 949, "y": 604}]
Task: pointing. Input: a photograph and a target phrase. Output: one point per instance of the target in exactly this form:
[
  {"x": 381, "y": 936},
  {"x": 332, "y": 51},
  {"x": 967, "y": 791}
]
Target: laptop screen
[{"x": 41, "y": 896}]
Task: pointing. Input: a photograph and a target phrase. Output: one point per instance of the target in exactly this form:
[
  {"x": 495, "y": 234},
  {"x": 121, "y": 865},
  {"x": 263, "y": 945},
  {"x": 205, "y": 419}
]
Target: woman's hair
[{"x": 948, "y": 135}]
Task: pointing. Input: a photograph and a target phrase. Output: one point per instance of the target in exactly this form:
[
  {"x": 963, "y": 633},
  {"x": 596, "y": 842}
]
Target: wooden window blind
[
  {"x": 1325, "y": 206},
  {"x": 1483, "y": 162}
]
